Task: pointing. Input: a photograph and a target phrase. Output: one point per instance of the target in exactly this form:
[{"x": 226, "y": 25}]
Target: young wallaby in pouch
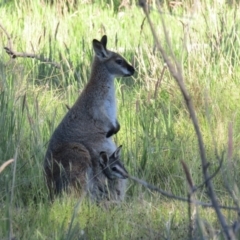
[
  {"x": 116, "y": 174},
  {"x": 74, "y": 170}
]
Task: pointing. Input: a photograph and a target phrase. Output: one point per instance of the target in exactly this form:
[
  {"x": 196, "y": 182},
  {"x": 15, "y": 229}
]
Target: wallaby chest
[{"x": 109, "y": 104}]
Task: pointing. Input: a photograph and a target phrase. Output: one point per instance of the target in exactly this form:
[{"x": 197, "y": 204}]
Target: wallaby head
[
  {"x": 112, "y": 166},
  {"x": 115, "y": 64}
]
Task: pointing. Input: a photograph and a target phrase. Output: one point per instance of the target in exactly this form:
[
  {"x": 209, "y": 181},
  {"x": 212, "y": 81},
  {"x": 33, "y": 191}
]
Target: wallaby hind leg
[
  {"x": 70, "y": 164},
  {"x": 61, "y": 183}
]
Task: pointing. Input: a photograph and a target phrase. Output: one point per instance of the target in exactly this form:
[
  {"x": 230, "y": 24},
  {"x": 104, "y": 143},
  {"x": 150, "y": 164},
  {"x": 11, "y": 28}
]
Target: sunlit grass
[{"x": 156, "y": 132}]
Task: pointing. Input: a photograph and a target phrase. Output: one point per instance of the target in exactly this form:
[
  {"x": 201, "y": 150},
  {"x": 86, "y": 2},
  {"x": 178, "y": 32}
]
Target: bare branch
[
  {"x": 212, "y": 176},
  {"x": 13, "y": 54},
  {"x": 170, "y": 195}
]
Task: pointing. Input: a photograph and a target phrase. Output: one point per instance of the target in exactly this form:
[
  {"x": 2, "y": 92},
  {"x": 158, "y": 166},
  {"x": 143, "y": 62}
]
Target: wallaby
[
  {"x": 73, "y": 169},
  {"x": 92, "y": 120},
  {"x": 115, "y": 183},
  {"x": 95, "y": 109}
]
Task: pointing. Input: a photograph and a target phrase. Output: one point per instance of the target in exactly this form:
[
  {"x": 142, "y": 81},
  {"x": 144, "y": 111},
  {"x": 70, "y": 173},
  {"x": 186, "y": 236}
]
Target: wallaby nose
[{"x": 131, "y": 70}]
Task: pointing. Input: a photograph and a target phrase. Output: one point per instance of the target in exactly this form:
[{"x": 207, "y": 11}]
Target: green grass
[{"x": 156, "y": 132}]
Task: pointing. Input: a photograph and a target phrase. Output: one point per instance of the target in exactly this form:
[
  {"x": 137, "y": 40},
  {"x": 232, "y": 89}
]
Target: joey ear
[
  {"x": 104, "y": 41},
  {"x": 104, "y": 159},
  {"x": 99, "y": 49},
  {"x": 117, "y": 151}
]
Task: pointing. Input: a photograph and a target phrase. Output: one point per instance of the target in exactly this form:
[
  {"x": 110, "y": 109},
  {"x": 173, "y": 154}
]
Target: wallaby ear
[
  {"x": 117, "y": 151},
  {"x": 99, "y": 48},
  {"x": 104, "y": 41},
  {"x": 104, "y": 159}
]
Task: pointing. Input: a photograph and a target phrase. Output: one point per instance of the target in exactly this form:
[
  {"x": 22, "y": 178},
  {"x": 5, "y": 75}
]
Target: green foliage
[{"x": 156, "y": 132}]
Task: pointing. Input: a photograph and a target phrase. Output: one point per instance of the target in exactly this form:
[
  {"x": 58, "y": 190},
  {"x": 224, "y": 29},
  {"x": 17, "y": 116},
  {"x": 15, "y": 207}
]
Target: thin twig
[
  {"x": 172, "y": 196},
  {"x": 212, "y": 176},
  {"x": 14, "y": 54}
]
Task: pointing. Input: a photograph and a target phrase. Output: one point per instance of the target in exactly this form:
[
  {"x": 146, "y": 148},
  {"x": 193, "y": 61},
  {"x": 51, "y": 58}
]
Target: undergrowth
[{"x": 156, "y": 132}]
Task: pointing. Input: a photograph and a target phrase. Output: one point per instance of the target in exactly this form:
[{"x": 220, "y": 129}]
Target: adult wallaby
[
  {"x": 73, "y": 169},
  {"x": 93, "y": 119},
  {"x": 94, "y": 112}
]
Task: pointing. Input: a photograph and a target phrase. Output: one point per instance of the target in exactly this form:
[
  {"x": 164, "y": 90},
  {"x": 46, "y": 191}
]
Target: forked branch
[{"x": 179, "y": 198}]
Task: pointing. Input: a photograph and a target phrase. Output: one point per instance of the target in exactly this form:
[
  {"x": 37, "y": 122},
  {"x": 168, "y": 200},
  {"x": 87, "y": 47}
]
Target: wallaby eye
[
  {"x": 114, "y": 169},
  {"x": 119, "y": 61}
]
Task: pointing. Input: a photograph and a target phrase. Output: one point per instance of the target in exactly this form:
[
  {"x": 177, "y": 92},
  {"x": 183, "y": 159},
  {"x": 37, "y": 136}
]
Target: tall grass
[{"x": 156, "y": 131}]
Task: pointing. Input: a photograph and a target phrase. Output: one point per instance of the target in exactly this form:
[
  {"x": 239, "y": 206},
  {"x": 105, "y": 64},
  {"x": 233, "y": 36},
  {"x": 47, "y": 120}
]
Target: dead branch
[
  {"x": 14, "y": 54},
  {"x": 170, "y": 195},
  {"x": 176, "y": 71}
]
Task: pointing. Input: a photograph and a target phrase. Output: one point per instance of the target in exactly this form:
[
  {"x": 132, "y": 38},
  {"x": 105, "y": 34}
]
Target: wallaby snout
[{"x": 131, "y": 71}]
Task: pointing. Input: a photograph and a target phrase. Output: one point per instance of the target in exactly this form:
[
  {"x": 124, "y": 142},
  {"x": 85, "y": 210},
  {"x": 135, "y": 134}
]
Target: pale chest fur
[{"x": 110, "y": 106}]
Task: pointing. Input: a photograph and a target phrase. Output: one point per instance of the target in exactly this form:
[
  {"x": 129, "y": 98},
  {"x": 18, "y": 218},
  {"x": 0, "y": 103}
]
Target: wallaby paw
[
  {"x": 113, "y": 130},
  {"x": 110, "y": 133}
]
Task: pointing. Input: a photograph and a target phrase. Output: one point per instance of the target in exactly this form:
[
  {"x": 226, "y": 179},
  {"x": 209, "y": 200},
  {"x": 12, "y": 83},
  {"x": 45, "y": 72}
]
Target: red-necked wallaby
[
  {"x": 116, "y": 174},
  {"x": 91, "y": 121}
]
